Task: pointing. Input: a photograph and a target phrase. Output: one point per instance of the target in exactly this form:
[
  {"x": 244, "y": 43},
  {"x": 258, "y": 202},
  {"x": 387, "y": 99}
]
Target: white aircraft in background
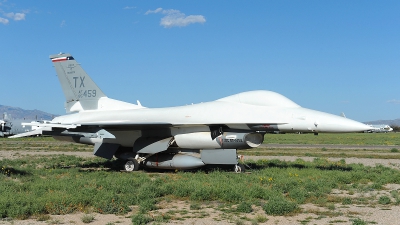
[
  {"x": 379, "y": 128},
  {"x": 10, "y": 126},
  {"x": 183, "y": 137}
]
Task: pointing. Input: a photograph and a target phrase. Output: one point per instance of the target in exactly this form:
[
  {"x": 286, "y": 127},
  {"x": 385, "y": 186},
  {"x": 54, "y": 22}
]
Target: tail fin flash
[{"x": 81, "y": 93}]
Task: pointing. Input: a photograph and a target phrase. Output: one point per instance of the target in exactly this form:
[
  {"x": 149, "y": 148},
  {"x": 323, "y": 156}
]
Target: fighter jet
[{"x": 183, "y": 137}]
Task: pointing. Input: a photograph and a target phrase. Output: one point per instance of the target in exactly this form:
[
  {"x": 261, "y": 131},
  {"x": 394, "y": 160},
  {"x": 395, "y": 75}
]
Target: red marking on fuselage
[{"x": 156, "y": 159}]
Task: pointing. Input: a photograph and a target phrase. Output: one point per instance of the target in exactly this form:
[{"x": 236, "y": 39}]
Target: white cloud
[
  {"x": 129, "y": 7},
  {"x": 3, "y": 21},
  {"x": 62, "y": 23},
  {"x": 19, "y": 16},
  {"x": 180, "y": 20},
  {"x": 16, "y": 16},
  {"x": 154, "y": 11},
  {"x": 174, "y": 18},
  {"x": 7, "y": 17},
  {"x": 394, "y": 101}
]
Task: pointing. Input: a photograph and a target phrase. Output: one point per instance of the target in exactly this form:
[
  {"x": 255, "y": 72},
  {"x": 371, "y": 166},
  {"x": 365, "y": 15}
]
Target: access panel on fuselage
[{"x": 219, "y": 156}]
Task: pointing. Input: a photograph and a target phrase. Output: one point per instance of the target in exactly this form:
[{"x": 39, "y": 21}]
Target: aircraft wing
[
  {"x": 128, "y": 125},
  {"x": 93, "y": 127},
  {"x": 138, "y": 126},
  {"x": 30, "y": 133},
  {"x": 155, "y": 125},
  {"x": 56, "y": 125},
  {"x": 43, "y": 127}
]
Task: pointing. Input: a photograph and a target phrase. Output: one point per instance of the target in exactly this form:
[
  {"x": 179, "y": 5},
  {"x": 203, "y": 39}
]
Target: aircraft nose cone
[
  {"x": 354, "y": 126},
  {"x": 342, "y": 125}
]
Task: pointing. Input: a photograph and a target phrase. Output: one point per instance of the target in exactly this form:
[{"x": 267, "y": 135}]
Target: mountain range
[
  {"x": 18, "y": 113},
  {"x": 388, "y": 122}
]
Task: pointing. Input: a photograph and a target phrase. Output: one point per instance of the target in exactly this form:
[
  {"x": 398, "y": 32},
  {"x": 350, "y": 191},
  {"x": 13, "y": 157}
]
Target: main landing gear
[
  {"x": 239, "y": 168},
  {"x": 178, "y": 161},
  {"x": 131, "y": 165}
]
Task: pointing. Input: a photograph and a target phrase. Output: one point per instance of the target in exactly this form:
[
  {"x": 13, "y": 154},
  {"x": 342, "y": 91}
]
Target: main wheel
[
  {"x": 131, "y": 165},
  {"x": 239, "y": 168}
]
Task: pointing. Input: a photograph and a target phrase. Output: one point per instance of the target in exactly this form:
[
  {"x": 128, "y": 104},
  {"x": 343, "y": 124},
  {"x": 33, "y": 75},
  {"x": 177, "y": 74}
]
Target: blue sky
[{"x": 332, "y": 56}]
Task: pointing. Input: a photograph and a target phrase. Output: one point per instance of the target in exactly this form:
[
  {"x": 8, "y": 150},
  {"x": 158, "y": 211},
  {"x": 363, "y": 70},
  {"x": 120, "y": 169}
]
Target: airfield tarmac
[{"x": 310, "y": 215}]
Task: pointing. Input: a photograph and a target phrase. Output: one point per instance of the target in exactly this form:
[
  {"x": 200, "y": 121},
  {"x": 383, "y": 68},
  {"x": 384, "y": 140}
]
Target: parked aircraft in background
[
  {"x": 10, "y": 126},
  {"x": 380, "y": 128},
  {"x": 183, "y": 137}
]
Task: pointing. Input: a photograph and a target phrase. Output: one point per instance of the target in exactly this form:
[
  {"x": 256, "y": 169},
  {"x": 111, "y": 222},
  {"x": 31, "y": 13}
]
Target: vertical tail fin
[{"x": 81, "y": 93}]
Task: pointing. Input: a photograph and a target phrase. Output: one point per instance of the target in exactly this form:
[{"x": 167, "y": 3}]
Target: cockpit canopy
[{"x": 260, "y": 98}]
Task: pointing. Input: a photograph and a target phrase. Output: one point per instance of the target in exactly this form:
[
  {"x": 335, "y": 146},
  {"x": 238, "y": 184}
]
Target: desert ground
[{"x": 371, "y": 213}]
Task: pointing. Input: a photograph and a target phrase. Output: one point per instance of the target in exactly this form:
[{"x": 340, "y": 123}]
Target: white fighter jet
[{"x": 183, "y": 137}]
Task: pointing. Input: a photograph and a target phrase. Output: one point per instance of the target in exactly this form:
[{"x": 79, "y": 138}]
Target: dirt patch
[
  {"x": 76, "y": 218},
  {"x": 209, "y": 214},
  {"x": 16, "y": 154}
]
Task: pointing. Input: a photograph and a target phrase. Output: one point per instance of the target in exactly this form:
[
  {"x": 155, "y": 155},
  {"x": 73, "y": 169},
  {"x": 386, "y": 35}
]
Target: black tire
[
  {"x": 131, "y": 165},
  {"x": 239, "y": 168}
]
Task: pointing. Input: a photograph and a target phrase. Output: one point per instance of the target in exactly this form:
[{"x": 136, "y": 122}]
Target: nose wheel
[{"x": 131, "y": 165}]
